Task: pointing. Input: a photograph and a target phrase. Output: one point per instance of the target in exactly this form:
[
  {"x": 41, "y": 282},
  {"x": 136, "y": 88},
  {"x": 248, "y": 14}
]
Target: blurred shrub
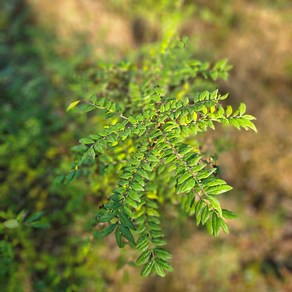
[{"x": 36, "y": 217}]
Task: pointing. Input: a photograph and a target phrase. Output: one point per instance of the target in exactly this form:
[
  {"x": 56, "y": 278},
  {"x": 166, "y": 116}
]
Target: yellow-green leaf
[
  {"x": 11, "y": 223},
  {"x": 72, "y": 105}
]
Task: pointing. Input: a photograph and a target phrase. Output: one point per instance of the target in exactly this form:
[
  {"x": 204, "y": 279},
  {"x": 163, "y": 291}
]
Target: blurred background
[{"x": 47, "y": 52}]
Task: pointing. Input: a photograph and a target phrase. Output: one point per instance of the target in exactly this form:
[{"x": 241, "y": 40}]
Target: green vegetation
[
  {"x": 153, "y": 120},
  {"x": 123, "y": 64}
]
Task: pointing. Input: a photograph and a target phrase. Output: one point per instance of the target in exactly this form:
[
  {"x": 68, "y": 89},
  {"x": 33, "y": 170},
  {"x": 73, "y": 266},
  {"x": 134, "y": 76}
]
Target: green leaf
[
  {"x": 249, "y": 117},
  {"x": 89, "y": 154},
  {"x": 146, "y": 166},
  {"x": 159, "y": 269},
  {"x": 72, "y": 105},
  {"x": 147, "y": 269},
  {"x": 152, "y": 158},
  {"x": 215, "y": 182},
  {"x": 126, "y": 221},
  {"x": 234, "y": 123},
  {"x": 70, "y": 176},
  {"x": 185, "y": 101},
  {"x": 224, "y": 226},
  {"x": 228, "y": 214},
  {"x": 187, "y": 185},
  {"x": 11, "y": 223},
  {"x": 118, "y": 237},
  {"x": 222, "y": 97},
  {"x": 205, "y": 215},
  {"x": 137, "y": 187},
  {"x": 215, "y": 204},
  {"x": 143, "y": 258},
  {"x": 165, "y": 265},
  {"x": 169, "y": 158},
  {"x": 126, "y": 175},
  {"x": 143, "y": 173},
  {"x": 98, "y": 148},
  {"x": 228, "y": 111},
  {"x": 105, "y": 232},
  {"x": 101, "y": 102},
  {"x": 184, "y": 177},
  {"x": 42, "y": 224},
  {"x": 198, "y": 210},
  {"x": 215, "y": 224},
  {"x": 194, "y": 161},
  {"x": 87, "y": 108},
  {"x": 134, "y": 196},
  {"x": 34, "y": 217},
  {"x": 21, "y": 215},
  {"x": 86, "y": 140},
  {"x": 132, "y": 203},
  {"x": 242, "y": 109},
  {"x": 107, "y": 217},
  {"x": 251, "y": 125},
  {"x": 159, "y": 242},
  {"x": 125, "y": 231},
  {"x": 220, "y": 65},
  {"x": 162, "y": 253},
  {"x": 209, "y": 226},
  {"x": 217, "y": 190},
  {"x": 139, "y": 180},
  {"x": 132, "y": 120},
  {"x": 205, "y": 173},
  {"x": 143, "y": 244}
]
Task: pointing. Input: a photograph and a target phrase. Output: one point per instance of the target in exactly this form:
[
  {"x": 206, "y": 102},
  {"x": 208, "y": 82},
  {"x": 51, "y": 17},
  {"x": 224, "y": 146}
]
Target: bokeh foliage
[{"x": 37, "y": 216}]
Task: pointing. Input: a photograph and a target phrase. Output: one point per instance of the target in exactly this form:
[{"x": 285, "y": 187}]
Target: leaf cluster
[{"x": 165, "y": 107}]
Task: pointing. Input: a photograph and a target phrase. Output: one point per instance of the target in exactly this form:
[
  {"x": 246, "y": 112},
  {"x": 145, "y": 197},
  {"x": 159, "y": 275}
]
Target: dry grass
[{"x": 87, "y": 19}]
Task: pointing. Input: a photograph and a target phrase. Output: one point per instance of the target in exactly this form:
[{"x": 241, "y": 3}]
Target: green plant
[
  {"x": 35, "y": 250},
  {"x": 149, "y": 150}
]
